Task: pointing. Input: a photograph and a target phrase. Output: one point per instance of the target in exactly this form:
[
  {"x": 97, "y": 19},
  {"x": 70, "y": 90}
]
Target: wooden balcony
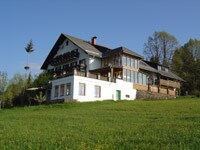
[{"x": 169, "y": 83}]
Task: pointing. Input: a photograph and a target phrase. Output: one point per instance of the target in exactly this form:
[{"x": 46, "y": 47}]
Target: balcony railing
[
  {"x": 169, "y": 83},
  {"x": 64, "y": 73}
]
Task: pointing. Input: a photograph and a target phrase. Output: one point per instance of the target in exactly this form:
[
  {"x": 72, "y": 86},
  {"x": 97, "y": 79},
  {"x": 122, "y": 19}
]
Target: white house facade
[
  {"x": 87, "y": 89},
  {"x": 86, "y": 71}
]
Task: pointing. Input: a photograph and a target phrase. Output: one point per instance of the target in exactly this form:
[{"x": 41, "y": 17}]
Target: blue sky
[{"x": 115, "y": 23}]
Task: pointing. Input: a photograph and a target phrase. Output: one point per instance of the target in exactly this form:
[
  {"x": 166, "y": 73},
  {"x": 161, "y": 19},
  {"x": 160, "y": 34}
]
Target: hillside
[{"x": 159, "y": 124}]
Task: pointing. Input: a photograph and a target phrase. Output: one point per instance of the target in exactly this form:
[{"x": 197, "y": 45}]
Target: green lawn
[{"x": 156, "y": 124}]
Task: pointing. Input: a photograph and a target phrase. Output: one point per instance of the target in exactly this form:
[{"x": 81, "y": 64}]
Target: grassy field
[{"x": 156, "y": 124}]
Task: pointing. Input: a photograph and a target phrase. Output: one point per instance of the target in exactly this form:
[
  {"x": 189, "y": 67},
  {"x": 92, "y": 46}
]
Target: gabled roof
[
  {"x": 84, "y": 45},
  {"x": 122, "y": 50},
  {"x": 94, "y": 50}
]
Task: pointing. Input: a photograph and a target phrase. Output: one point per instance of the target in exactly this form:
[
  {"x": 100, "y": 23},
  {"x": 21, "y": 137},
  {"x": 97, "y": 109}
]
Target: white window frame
[
  {"x": 68, "y": 89},
  {"x": 97, "y": 91},
  {"x": 82, "y": 89},
  {"x": 62, "y": 89}
]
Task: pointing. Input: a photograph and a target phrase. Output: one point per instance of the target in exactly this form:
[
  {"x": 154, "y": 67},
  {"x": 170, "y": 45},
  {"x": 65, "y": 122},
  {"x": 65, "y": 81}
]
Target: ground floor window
[
  {"x": 82, "y": 89},
  {"x": 68, "y": 88},
  {"x": 97, "y": 91},
  {"x": 62, "y": 89},
  {"x": 56, "y": 91}
]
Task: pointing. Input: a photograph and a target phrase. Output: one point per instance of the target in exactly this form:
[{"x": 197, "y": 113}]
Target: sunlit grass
[{"x": 156, "y": 124}]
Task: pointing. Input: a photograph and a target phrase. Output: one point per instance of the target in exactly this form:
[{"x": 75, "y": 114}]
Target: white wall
[{"x": 108, "y": 89}]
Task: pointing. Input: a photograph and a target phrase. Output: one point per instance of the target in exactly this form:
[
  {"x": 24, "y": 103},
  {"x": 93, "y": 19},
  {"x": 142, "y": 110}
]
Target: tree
[
  {"x": 186, "y": 64},
  {"x": 160, "y": 48},
  {"x": 40, "y": 98},
  {"x": 3, "y": 84},
  {"x": 16, "y": 87},
  {"x": 42, "y": 79},
  {"x": 29, "y": 81}
]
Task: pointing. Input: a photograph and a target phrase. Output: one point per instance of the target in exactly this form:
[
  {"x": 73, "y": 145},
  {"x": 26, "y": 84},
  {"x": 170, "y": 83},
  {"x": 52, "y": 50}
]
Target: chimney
[{"x": 94, "y": 40}]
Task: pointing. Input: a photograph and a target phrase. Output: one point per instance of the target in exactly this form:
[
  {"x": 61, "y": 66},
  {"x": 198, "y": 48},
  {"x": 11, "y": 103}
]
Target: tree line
[
  {"x": 184, "y": 61},
  {"x": 14, "y": 92}
]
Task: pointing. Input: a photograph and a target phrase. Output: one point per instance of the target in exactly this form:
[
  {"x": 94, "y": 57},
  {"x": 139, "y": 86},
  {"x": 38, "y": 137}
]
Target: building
[{"x": 87, "y": 71}]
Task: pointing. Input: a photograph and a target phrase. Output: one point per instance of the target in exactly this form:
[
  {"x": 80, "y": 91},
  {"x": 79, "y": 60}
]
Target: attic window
[{"x": 66, "y": 43}]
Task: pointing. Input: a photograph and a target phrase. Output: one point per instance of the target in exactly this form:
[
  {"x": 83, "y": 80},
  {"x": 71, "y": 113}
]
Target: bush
[{"x": 196, "y": 93}]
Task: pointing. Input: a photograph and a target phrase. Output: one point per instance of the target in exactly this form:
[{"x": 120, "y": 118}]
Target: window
[
  {"x": 136, "y": 77},
  {"x": 66, "y": 43},
  {"x": 105, "y": 62},
  {"x": 62, "y": 89},
  {"x": 117, "y": 60},
  {"x": 73, "y": 64},
  {"x": 136, "y": 63},
  {"x": 140, "y": 78},
  {"x": 124, "y": 75},
  {"x": 124, "y": 61},
  {"x": 66, "y": 67},
  {"x": 82, "y": 89},
  {"x": 133, "y": 76},
  {"x": 132, "y": 62},
  {"x": 56, "y": 91},
  {"x": 128, "y": 75},
  {"x": 82, "y": 61},
  {"x": 120, "y": 61},
  {"x": 68, "y": 88},
  {"x": 128, "y": 61},
  {"x": 144, "y": 79},
  {"x": 58, "y": 69},
  {"x": 97, "y": 91}
]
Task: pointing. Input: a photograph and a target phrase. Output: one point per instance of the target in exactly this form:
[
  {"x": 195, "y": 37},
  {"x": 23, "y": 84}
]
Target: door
[{"x": 118, "y": 95}]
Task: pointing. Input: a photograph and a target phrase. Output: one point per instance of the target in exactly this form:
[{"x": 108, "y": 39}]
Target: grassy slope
[{"x": 166, "y": 124}]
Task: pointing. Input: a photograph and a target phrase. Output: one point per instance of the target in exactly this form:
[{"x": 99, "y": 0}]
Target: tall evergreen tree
[{"x": 29, "y": 48}]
